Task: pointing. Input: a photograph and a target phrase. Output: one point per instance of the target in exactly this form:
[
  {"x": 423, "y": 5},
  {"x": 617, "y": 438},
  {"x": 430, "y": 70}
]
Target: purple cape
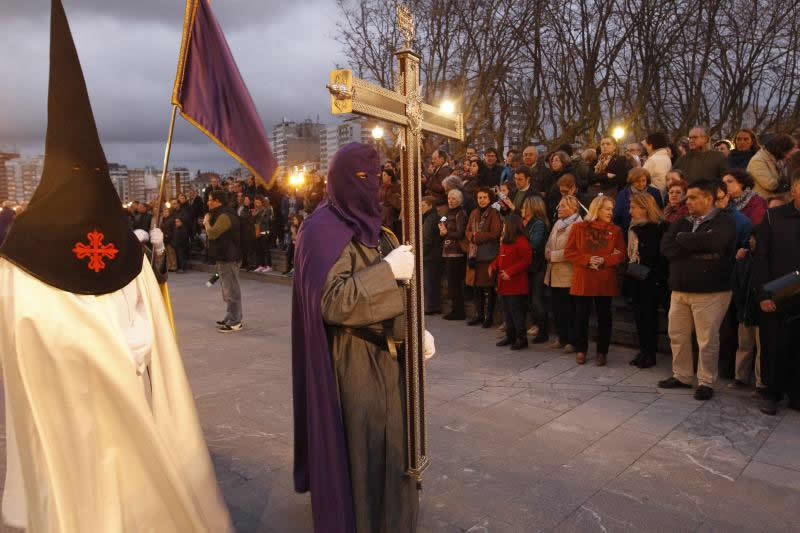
[{"x": 320, "y": 451}]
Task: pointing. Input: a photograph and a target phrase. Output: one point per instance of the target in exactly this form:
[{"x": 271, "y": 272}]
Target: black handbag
[
  {"x": 487, "y": 251},
  {"x": 784, "y": 288},
  {"x": 637, "y": 271}
]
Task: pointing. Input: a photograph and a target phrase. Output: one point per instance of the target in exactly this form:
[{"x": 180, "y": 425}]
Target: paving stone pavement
[{"x": 519, "y": 441}]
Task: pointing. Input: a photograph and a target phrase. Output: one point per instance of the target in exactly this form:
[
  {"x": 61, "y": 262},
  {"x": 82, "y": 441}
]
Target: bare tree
[{"x": 568, "y": 70}]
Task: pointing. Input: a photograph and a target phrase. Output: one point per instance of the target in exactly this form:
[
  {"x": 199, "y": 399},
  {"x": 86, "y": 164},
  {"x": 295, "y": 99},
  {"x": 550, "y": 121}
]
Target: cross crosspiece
[
  {"x": 404, "y": 108},
  {"x": 96, "y": 251}
]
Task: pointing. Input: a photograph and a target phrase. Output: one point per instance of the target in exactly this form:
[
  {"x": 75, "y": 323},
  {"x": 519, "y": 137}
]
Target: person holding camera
[
  {"x": 224, "y": 247},
  {"x": 452, "y": 229}
]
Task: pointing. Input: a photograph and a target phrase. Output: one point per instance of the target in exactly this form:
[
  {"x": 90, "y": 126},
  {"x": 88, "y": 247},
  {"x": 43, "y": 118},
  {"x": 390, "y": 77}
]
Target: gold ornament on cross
[{"x": 405, "y": 21}]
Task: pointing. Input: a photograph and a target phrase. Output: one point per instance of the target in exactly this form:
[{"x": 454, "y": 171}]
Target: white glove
[
  {"x": 157, "y": 240},
  {"x": 401, "y": 260},
  {"x": 428, "y": 346}
]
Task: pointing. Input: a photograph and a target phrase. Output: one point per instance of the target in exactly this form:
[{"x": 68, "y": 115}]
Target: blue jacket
[
  {"x": 536, "y": 231},
  {"x": 622, "y": 207},
  {"x": 744, "y": 227}
]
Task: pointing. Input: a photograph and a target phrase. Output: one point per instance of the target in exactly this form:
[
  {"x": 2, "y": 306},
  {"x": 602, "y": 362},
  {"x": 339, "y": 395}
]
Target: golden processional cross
[{"x": 404, "y": 107}]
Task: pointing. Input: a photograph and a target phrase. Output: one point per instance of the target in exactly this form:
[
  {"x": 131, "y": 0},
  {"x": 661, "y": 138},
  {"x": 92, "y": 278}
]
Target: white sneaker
[
  {"x": 266, "y": 269},
  {"x": 258, "y": 270}
]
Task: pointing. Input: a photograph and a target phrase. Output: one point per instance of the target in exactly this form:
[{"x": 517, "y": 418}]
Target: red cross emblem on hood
[{"x": 96, "y": 251}]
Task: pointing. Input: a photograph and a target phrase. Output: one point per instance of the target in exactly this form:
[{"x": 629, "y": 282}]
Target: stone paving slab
[{"x": 519, "y": 441}]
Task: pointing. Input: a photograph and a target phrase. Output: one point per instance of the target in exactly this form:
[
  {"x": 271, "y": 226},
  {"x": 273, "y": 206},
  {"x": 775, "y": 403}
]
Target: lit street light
[
  {"x": 448, "y": 106},
  {"x": 377, "y": 133},
  {"x": 618, "y": 133}
]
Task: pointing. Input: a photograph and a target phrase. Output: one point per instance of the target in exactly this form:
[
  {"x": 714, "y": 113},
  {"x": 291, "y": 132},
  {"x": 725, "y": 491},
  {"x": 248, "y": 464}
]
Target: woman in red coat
[
  {"x": 595, "y": 248},
  {"x": 512, "y": 280}
]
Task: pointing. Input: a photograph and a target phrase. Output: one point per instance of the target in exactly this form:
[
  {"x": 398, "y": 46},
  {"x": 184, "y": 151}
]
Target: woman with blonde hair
[
  {"x": 537, "y": 226},
  {"x": 595, "y": 247},
  {"x": 647, "y": 270},
  {"x": 558, "y": 275}
]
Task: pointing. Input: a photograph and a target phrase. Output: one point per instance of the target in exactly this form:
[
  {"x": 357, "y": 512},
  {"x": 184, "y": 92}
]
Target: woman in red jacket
[
  {"x": 512, "y": 280},
  {"x": 595, "y": 248}
]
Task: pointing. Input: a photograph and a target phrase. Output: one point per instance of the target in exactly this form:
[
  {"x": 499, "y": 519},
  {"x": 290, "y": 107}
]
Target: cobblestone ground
[{"x": 520, "y": 441}]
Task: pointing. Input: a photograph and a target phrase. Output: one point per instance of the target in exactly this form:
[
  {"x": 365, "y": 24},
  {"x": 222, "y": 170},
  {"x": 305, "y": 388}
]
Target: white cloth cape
[{"x": 87, "y": 452}]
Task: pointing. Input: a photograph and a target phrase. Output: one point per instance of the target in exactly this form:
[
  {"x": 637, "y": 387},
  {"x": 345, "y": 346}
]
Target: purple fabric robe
[{"x": 351, "y": 211}]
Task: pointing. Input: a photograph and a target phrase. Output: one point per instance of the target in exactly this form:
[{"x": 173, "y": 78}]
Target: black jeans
[
  {"x": 432, "y": 272},
  {"x": 780, "y": 355},
  {"x": 514, "y": 307},
  {"x": 583, "y": 308},
  {"x": 537, "y": 306},
  {"x": 564, "y": 313},
  {"x": 262, "y": 253},
  {"x": 456, "y": 269},
  {"x": 646, "y": 298},
  {"x": 182, "y": 255}
]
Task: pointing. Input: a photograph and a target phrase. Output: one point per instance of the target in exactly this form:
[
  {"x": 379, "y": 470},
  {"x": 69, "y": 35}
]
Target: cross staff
[{"x": 405, "y": 108}]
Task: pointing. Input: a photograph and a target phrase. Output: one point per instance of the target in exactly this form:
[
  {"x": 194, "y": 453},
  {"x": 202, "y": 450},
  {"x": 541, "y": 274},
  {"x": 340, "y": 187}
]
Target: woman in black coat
[
  {"x": 650, "y": 287},
  {"x": 611, "y": 170}
]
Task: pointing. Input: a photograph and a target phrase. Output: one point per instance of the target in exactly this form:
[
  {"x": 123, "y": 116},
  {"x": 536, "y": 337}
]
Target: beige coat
[
  {"x": 559, "y": 270},
  {"x": 658, "y": 164},
  {"x": 764, "y": 168}
]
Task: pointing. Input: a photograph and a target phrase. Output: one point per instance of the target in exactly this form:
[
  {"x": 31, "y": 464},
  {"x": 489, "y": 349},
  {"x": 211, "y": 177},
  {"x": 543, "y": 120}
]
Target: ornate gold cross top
[
  {"x": 405, "y": 20},
  {"x": 404, "y": 107}
]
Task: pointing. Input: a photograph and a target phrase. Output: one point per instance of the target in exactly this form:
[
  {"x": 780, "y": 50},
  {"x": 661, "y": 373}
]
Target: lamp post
[
  {"x": 618, "y": 133},
  {"x": 448, "y": 106}
]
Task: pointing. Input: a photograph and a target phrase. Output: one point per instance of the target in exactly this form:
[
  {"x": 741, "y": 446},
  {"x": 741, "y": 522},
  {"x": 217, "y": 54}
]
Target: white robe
[{"x": 89, "y": 450}]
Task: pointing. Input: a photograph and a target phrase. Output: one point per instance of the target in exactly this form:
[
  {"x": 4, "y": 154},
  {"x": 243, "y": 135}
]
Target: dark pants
[
  {"x": 262, "y": 253},
  {"x": 247, "y": 248},
  {"x": 290, "y": 257},
  {"x": 514, "y": 307},
  {"x": 646, "y": 298},
  {"x": 182, "y": 255},
  {"x": 728, "y": 343},
  {"x": 537, "y": 305},
  {"x": 432, "y": 275},
  {"x": 780, "y": 356},
  {"x": 564, "y": 313},
  {"x": 583, "y": 308},
  {"x": 456, "y": 270}
]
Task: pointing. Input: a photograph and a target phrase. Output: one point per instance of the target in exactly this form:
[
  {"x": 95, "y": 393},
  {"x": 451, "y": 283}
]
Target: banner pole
[{"x": 163, "y": 186}]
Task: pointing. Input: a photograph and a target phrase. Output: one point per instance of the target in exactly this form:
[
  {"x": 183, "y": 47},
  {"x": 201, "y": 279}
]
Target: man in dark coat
[
  {"x": 349, "y": 408},
  {"x": 441, "y": 170},
  {"x": 777, "y": 254}
]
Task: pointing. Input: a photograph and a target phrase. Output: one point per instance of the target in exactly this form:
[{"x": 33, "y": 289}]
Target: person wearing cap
[{"x": 102, "y": 433}]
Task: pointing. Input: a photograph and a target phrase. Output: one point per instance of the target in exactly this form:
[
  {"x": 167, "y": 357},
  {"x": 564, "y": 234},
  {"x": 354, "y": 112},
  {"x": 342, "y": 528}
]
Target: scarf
[
  {"x": 743, "y": 199},
  {"x": 602, "y": 163},
  {"x": 479, "y": 227},
  {"x": 633, "y": 241}
]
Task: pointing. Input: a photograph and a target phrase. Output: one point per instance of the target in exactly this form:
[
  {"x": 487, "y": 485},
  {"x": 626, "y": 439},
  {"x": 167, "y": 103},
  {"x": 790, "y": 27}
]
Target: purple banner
[{"x": 212, "y": 95}]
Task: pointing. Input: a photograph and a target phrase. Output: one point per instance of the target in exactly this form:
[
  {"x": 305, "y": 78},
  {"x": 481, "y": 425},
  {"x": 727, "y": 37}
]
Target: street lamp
[
  {"x": 448, "y": 106},
  {"x": 618, "y": 133},
  {"x": 377, "y": 133}
]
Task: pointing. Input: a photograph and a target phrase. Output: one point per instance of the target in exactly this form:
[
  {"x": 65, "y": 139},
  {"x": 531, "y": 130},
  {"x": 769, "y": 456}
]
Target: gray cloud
[{"x": 129, "y": 53}]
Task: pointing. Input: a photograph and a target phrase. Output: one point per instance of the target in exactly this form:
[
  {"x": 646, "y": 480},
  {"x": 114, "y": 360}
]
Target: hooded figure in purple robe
[{"x": 349, "y": 410}]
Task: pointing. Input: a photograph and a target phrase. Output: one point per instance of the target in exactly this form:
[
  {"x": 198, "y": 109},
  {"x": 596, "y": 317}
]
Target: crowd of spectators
[
  {"x": 647, "y": 227},
  {"x": 694, "y": 228}
]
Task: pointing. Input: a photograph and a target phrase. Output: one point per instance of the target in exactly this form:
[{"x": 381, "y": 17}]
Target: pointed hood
[{"x": 74, "y": 235}]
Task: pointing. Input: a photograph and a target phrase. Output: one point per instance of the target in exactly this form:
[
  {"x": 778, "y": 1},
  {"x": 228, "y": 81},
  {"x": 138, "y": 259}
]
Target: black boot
[
  {"x": 510, "y": 337},
  {"x": 636, "y": 360},
  {"x": 480, "y": 305},
  {"x": 491, "y": 301},
  {"x": 520, "y": 343},
  {"x": 647, "y": 361}
]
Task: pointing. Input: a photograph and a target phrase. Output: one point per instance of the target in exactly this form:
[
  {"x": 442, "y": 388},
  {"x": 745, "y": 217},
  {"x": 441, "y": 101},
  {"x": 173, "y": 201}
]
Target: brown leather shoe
[
  {"x": 580, "y": 358},
  {"x": 602, "y": 359}
]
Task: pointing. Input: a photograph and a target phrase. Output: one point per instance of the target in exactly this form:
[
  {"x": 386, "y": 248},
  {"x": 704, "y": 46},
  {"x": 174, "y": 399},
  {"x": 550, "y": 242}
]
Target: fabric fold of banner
[{"x": 212, "y": 95}]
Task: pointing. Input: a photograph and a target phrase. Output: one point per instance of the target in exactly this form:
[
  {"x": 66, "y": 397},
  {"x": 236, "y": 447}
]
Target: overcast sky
[{"x": 129, "y": 51}]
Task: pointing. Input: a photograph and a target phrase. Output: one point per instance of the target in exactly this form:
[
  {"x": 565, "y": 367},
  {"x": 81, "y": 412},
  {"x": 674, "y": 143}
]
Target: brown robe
[{"x": 361, "y": 292}]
